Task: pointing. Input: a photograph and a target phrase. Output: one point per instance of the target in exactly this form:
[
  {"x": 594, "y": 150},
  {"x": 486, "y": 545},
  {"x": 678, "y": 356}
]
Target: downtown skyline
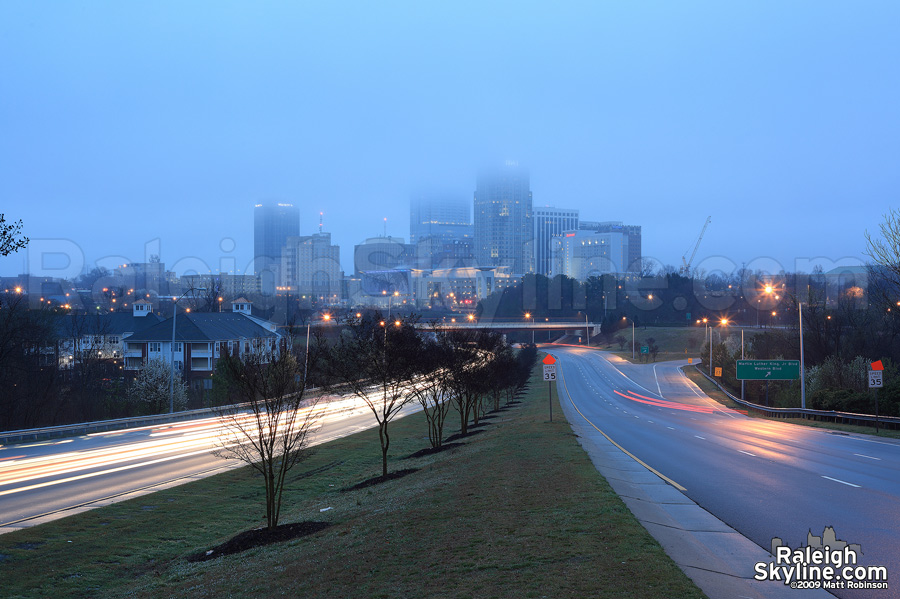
[{"x": 777, "y": 121}]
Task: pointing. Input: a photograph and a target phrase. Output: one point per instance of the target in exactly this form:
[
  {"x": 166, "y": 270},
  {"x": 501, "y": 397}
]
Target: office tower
[
  {"x": 441, "y": 231},
  {"x": 273, "y": 223},
  {"x": 311, "y": 268},
  {"x": 631, "y": 240},
  {"x": 378, "y": 254},
  {"x": 550, "y": 222},
  {"x": 503, "y": 230},
  {"x": 585, "y": 254}
]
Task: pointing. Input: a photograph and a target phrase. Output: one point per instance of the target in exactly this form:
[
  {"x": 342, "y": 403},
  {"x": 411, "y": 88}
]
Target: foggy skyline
[{"x": 124, "y": 124}]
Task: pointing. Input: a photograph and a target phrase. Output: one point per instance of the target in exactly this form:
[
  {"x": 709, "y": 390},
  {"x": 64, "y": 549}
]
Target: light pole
[
  {"x": 528, "y": 315},
  {"x": 587, "y": 330},
  {"x": 172, "y": 348},
  {"x": 802, "y": 369}
]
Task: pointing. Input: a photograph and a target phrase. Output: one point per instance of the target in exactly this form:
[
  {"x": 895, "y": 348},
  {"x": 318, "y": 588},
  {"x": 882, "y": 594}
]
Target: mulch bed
[
  {"x": 432, "y": 450},
  {"x": 461, "y": 436},
  {"x": 371, "y": 482},
  {"x": 259, "y": 537}
]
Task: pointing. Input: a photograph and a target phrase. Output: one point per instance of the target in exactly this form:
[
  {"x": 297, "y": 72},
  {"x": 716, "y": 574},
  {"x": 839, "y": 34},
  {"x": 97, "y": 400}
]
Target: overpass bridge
[{"x": 575, "y": 327}]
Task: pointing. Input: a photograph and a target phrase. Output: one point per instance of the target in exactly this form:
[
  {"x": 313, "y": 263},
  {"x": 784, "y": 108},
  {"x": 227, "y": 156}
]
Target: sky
[{"x": 134, "y": 128}]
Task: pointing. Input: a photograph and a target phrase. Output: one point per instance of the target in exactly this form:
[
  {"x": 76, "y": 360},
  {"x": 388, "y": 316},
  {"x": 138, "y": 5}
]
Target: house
[
  {"x": 102, "y": 335},
  {"x": 200, "y": 340}
]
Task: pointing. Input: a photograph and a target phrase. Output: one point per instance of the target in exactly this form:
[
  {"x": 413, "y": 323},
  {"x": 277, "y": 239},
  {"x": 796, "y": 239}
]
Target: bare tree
[
  {"x": 885, "y": 252},
  {"x": 433, "y": 387},
  {"x": 271, "y": 430},
  {"x": 377, "y": 363}
]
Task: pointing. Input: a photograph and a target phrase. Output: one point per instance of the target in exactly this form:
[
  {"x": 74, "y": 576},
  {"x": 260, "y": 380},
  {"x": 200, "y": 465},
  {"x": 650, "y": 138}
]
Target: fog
[{"x": 128, "y": 126}]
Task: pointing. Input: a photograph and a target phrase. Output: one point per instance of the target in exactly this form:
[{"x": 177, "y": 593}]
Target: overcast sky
[{"x": 122, "y": 123}]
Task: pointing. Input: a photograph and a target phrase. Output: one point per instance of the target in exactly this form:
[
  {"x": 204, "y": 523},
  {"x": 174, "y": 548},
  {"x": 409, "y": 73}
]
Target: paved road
[
  {"x": 45, "y": 480},
  {"x": 765, "y": 479}
]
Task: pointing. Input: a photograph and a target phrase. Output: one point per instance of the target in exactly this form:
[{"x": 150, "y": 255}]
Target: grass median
[{"x": 517, "y": 511}]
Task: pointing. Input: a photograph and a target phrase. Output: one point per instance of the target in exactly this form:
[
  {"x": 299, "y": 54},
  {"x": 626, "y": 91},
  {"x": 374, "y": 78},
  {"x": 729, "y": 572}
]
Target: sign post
[
  {"x": 876, "y": 381},
  {"x": 550, "y": 377}
]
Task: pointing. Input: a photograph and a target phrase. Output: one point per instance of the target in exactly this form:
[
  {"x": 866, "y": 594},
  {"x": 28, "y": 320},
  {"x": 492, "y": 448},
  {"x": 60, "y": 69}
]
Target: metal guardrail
[
  {"x": 85, "y": 428},
  {"x": 832, "y": 415}
]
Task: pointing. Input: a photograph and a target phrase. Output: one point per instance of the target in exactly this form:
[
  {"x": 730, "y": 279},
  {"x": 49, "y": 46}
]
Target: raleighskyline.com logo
[{"x": 824, "y": 563}]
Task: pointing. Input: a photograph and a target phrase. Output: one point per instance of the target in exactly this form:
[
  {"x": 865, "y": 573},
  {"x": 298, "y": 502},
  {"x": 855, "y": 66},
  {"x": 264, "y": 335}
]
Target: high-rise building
[
  {"x": 585, "y": 254},
  {"x": 441, "y": 231},
  {"x": 503, "y": 230},
  {"x": 378, "y": 254},
  {"x": 548, "y": 223},
  {"x": 311, "y": 269},
  {"x": 631, "y": 239},
  {"x": 273, "y": 223}
]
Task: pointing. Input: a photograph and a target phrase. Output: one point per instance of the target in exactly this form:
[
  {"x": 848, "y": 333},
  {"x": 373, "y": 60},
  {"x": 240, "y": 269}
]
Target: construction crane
[{"x": 686, "y": 263}]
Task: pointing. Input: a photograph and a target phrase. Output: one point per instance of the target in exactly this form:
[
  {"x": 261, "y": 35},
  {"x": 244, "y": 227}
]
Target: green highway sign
[
  {"x": 768, "y": 370},
  {"x": 645, "y": 349}
]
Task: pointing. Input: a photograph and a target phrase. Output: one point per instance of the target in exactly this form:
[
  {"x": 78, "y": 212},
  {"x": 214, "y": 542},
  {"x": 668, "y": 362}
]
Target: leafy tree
[
  {"x": 28, "y": 378},
  {"x": 9, "y": 242},
  {"x": 270, "y": 430},
  {"x": 150, "y": 390}
]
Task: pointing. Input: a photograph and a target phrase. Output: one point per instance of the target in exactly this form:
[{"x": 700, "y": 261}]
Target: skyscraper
[
  {"x": 273, "y": 223},
  {"x": 550, "y": 222},
  {"x": 441, "y": 231},
  {"x": 503, "y": 230},
  {"x": 631, "y": 240}
]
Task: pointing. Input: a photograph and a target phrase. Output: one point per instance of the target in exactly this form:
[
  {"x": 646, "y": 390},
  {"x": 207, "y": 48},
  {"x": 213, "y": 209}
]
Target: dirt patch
[
  {"x": 259, "y": 537},
  {"x": 433, "y": 450},
  {"x": 371, "y": 482}
]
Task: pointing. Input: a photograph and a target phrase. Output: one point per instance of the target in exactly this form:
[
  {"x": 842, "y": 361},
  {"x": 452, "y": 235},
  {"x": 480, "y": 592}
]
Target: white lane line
[
  {"x": 671, "y": 428},
  {"x": 699, "y": 437},
  {"x": 867, "y": 456},
  {"x": 656, "y": 377},
  {"x": 843, "y": 482},
  {"x": 747, "y": 452}
]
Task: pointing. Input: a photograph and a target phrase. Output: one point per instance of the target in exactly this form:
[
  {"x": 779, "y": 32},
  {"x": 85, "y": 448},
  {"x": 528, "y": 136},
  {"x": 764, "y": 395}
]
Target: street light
[
  {"x": 172, "y": 348},
  {"x": 529, "y": 315}
]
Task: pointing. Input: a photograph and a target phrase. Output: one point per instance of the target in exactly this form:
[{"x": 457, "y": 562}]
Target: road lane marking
[
  {"x": 867, "y": 456},
  {"x": 747, "y": 452},
  {"x": 843, "y": 482},
  {"x": 671, "y": 428},
  {"x": 699, "y": 437},
  {"x": 608, "y": 438},
  {"x": 655, "y": 376}
]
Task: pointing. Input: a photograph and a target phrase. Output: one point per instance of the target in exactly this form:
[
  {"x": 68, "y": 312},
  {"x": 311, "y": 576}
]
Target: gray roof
[
  {"x": 115, "y": 323},
  {"x": 205, "y": 326}
]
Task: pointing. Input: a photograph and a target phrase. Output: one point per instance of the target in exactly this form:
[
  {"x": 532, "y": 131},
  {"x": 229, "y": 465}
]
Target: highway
[
  {"x": 45, "y": 480},
  {"x": 765, "y": 479}
]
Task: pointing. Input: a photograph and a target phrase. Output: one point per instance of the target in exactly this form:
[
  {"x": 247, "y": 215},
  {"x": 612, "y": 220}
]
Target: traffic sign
[
  {"x": 768, "y": 370},
  {"x": 645, "y": 349},
  {"x": 718, "y": 371},
  {"x": 549, "y": 359},
  {"x": 876, "y": 379},
  {"x": 549, "y": 372}
]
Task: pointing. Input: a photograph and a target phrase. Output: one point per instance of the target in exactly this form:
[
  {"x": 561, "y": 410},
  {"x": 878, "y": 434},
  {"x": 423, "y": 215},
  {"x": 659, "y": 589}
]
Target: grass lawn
[
  {"x": 674, "y": 342},
  {"x": 517, "y": 511}
]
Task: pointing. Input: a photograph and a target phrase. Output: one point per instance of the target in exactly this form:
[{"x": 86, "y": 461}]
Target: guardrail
[
  {"x": 826, "y": 415},
  {"x": 85, "y": 428}
]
